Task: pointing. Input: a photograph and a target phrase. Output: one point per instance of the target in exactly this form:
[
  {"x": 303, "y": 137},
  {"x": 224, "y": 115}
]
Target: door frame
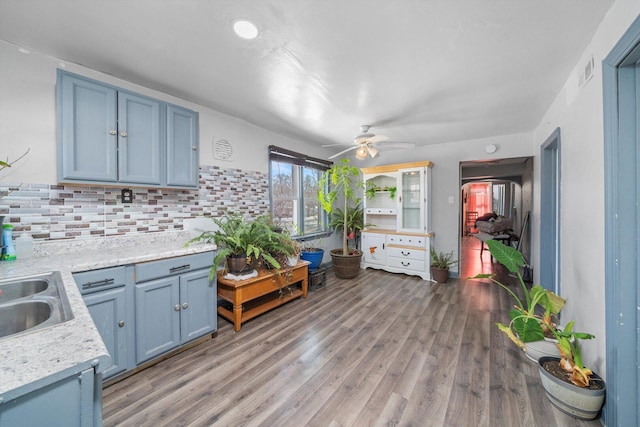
[
  {"x": 551, "y": 166},
  {"x": 621, "y": 172}
]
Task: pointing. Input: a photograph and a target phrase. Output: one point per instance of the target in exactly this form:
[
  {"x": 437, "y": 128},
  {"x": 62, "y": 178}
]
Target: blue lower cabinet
[
  {"x": 109, "y": 312},
  {"x": 72, "y": 401},
  {"x": 157, "y": 317},
  {"x": 198, "y": 314},
  {"x": 172, "y": 311}
]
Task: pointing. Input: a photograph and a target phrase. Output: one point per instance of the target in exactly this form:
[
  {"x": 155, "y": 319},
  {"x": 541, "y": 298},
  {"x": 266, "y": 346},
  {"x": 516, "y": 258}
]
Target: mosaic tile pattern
[{"x": 54, "y": 212}]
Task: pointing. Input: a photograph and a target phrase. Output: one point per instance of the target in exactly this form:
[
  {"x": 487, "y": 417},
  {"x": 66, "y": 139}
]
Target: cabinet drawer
[
  {"x": 381, "y": 211},
  {"x": 100, "y": 280},
  {"x": 417, "y": 241},
  {"x": 404, "y": 253},
  {"x": 408, "y": 264},
  {"x": 172, "y": 266}
]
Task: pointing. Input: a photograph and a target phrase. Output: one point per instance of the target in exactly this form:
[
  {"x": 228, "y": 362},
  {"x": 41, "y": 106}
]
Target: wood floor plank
[{"x": 384, "y": 349}]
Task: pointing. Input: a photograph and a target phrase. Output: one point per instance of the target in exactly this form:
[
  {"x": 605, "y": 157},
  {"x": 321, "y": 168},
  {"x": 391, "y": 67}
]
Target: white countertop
[{"x": 33, "y": 360}]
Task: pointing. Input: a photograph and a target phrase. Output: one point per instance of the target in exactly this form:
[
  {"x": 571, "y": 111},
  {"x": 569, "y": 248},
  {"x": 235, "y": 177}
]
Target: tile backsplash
[{"x": 54, "y": 212}]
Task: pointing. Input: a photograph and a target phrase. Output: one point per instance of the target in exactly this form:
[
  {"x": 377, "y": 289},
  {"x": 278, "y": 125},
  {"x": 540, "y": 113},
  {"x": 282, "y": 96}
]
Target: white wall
[
  {"x": 28, "y": 120},
  {"x": 579, "y": 115}
]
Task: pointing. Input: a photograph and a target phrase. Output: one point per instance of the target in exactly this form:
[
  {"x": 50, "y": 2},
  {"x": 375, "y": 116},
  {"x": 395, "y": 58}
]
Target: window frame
[{"x": 298, "y": 162}]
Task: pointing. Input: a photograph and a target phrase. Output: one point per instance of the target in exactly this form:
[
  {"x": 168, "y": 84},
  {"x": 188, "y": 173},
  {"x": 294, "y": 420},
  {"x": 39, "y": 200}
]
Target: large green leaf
[
  {"x": 527, "y": 328},
  {"x": 506, "y": 255}
]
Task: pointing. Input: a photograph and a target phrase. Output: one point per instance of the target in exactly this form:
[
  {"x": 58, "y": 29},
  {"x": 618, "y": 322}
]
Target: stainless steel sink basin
[
  {"x": 32, "y": 303},
  {"x": 21, "y": 316},
  {"x": 14, "y": 290}
]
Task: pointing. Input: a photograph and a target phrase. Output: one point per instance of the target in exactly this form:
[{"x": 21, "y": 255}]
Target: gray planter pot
[
  {"x": 576, "y": 401},
  {"x": 535, "y": 350}
]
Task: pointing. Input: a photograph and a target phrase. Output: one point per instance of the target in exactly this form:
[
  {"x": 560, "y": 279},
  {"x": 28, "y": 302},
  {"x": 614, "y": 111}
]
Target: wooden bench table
[{"x": 260, "y": 294}]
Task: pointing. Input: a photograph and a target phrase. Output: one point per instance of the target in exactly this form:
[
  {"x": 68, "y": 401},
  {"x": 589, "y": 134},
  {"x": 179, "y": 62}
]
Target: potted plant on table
[
  {"x": 344, "y": 180},
  {"x": 440, "y": 263},
  {"x": 239, "y": 239}
]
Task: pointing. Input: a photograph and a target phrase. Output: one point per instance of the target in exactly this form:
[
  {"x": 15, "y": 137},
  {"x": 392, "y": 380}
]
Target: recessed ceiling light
[{"x": 245, "y": 29}]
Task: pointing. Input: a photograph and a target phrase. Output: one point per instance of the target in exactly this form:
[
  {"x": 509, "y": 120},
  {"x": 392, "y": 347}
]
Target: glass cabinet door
[{"x": 411, "y": 200}]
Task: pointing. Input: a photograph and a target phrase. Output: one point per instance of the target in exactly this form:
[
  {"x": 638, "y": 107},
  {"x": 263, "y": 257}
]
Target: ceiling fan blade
[
  {"x": 377, "y": 138},
  {"x": 398, "y": 145},
  {"x": 343, "y": 151},
  {"x": 333, "y": 145}
]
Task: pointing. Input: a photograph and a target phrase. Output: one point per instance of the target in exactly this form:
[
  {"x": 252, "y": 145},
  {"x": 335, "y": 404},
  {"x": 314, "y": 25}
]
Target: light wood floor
[{"x": 383, "y": 349}]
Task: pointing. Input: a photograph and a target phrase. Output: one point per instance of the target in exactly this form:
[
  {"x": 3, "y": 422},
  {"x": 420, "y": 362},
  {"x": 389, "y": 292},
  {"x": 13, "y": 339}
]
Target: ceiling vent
[{"x": 222, "y": 149}]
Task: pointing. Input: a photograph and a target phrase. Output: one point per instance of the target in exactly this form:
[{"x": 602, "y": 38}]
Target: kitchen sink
[
  {"x": 32, "y": 303},
  {"x": 15, "y": 290},
  {"x": 22, "y": 316}
]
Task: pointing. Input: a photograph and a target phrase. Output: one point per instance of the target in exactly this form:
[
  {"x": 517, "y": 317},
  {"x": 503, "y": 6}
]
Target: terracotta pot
[
  {"x": 440, "y": 275},
  {"x": 579, "y": 402},
  {"x": 346, "y": 266}
]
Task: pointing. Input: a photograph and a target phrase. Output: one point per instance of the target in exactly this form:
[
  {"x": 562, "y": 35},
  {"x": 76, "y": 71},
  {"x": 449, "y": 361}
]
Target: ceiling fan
[{"x": 365, "y": 143}]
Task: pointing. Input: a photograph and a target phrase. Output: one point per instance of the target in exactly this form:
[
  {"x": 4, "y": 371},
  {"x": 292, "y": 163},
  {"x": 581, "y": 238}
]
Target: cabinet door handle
[
  {"x": 194, "y": 147},
  {"x": 97, "y": 283},
  {"x": 124, "y": 134},
  {"x": 405, "y": 253},
  {"x": 176, "y": 307},
  {"x": 179, "y": 268},
  {"x": 405, "y": 265},
  {"x": 121, "y": 323},
  {"x": 185, "y": 306},
  {"x": 113, "y": 132}
]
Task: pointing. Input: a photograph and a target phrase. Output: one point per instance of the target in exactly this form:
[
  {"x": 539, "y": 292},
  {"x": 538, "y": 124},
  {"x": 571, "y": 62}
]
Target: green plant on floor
[
  {"x": 526, "y": 325},
  {"x": 571, "y": 355},
  {"x": 442, "y": 260},
  {"x": 355, "y": 220},
  {"x": 343, "y": 180}
]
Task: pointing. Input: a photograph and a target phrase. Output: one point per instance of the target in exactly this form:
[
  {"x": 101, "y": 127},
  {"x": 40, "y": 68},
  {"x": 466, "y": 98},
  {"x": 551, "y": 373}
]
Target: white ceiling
[{"x": 421, "y": 71}]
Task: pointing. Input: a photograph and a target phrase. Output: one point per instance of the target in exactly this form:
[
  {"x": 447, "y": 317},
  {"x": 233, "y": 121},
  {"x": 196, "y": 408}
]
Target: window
[{"x": 294, "y": 191}]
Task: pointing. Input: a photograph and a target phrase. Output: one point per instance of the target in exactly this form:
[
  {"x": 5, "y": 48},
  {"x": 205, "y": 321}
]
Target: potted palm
[
  {"x": 440, "y": 263},
  {"x": 344, "y": 180}
]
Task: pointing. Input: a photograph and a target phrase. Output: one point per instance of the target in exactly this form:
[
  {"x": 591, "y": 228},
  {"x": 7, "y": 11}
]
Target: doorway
[
  {"x": 550, "y": 213},
  {"x": 500, "y": 186}
]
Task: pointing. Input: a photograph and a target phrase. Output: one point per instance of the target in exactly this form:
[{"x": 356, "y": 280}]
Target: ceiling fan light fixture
[
  {"x": 361, "y": 152},
  {"x": 373, "y": 152}
]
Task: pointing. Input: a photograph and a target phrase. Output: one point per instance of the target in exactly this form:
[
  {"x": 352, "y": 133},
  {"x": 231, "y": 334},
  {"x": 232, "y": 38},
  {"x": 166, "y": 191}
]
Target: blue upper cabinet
[
  {"x": 109, "y": 135},
  {"x": 139, "y": 139},
  {"x": 182, "y": 147},
  {"x": 87, "y": 130}
]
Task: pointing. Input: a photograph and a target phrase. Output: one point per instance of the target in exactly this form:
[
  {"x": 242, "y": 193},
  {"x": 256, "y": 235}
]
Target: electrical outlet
[{"x": 450, "y": 200}]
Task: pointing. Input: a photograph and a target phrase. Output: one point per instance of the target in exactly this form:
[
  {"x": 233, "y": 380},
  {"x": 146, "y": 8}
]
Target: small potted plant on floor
[
  {"x": 440, "y": 263},
  {"x": 343, "y": 181}
]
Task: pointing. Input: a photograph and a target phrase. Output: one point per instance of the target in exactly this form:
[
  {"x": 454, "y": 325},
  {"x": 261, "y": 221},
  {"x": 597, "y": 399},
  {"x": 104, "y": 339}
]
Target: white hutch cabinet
[{"x": 397, "y": 209}]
